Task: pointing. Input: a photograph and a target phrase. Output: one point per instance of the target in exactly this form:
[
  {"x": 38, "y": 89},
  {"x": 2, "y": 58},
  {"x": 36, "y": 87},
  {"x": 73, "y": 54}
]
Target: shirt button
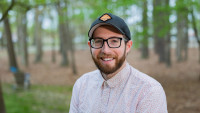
[{"x": 105, "y": 83}]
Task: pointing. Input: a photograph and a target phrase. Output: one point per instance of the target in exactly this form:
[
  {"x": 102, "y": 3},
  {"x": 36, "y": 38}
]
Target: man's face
[{"x": 107, "y": 59}]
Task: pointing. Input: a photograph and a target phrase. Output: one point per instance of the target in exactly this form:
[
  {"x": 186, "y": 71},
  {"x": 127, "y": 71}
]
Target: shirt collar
[{"x": 120, "y": 78}]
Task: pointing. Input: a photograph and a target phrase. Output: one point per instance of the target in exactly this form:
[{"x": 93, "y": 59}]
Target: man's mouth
[{"x": 107, "y": 59}]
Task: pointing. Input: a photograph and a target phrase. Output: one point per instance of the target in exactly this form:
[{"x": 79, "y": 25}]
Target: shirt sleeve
[
  {"x": 75, "y": 99},
  {"x": 154, "y": 101}
]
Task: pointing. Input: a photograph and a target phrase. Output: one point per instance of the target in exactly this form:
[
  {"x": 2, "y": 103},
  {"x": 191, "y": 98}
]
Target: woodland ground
[{"x": 181, "y": 81}]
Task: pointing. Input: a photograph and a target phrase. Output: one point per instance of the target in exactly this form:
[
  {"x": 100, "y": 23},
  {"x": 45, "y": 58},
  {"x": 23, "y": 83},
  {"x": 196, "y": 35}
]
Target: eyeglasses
[{"x": 113, "y": 42}]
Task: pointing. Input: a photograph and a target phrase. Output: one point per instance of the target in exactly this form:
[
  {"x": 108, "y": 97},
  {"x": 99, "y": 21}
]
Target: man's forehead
[{"x": 109, "y": 28}]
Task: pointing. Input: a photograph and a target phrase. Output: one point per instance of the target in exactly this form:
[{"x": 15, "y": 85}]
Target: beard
[{"x": 106, "y": 69}]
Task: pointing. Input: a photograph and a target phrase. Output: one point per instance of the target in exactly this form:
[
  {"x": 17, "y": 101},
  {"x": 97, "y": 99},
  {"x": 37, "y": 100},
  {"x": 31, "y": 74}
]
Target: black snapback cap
[{"x": 113, "y": 20}]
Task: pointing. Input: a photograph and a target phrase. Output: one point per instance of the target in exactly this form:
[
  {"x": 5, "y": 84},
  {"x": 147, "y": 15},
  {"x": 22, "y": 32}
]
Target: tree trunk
[
  {"x": 22, "y": 36},
  {"x": 38, "y": 35},
  {"x": 19, "y": 75},
  {"x": 2, "y": 103},
  {"x": 144, "y": 44},
  {"x": 199, "y": 53},
  {"x": 2, "y": 39},
  {"x": 1, "y": 42},
  {"x": 63, "y": 42},
  {"x": 167, "y": 42},
  {"x": 158, "y": 17},
  {"x": 62, "y": 33},
  {"x": 194, "y": 26},
  {"x": 72, "y": 49},
  {"x": 182, "y": 30},
  {"x": 168, "y": 51},
  {"x": 161, "y": 27},
  {"x": 10, "y": 47},
  {"x": 53, "y": 43},
  {"x": 53, "y": 52},
  {"x": 73, "y": 61}
]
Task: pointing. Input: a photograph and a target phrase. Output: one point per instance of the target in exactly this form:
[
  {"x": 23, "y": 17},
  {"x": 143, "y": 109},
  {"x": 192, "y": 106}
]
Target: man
[{"x": 116, "y": 87}]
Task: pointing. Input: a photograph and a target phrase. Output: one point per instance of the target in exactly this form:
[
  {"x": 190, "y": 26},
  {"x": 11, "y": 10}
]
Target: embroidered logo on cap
[{"x": 105, "y": 17}]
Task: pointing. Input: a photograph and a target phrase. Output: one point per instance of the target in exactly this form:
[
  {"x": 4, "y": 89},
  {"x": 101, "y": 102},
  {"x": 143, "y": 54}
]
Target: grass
[{"x": 39, "y": 99}]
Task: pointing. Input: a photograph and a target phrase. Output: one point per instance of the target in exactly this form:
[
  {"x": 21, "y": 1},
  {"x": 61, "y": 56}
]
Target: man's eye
[
  {"x": 115, "y": 41},
  {"x": 97, "y": 41}
]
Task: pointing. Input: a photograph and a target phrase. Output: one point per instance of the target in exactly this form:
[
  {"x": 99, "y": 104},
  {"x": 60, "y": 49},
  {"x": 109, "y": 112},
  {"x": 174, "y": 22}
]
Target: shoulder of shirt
[{"x": 142, "y": 78}]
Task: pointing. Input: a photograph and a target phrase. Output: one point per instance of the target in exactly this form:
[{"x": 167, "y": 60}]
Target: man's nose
[{"x": 105, "y": 48}]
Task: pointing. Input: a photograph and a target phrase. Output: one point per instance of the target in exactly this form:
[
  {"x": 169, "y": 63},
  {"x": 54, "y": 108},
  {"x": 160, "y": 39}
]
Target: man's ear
[
  {"x": 89, "y": 44},
  {"x": 128, "y": 46}
]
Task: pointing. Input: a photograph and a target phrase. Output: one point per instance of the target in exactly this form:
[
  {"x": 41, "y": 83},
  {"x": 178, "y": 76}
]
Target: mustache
[{"x": 103, "y": 55}]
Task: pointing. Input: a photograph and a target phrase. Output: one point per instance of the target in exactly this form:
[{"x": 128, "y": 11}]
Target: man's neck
[{"x": 109, "y": 76}]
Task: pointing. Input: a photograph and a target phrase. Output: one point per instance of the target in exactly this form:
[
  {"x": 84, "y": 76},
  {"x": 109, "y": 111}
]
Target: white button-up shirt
[{"x": 129, "y": 91}]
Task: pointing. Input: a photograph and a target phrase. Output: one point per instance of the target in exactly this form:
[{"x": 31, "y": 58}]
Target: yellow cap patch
[{"x": 105, "y": 17}]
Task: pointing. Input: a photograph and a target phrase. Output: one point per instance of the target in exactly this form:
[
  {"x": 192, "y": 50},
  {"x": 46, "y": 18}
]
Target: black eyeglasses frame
[{"x": 106, "y": 40}]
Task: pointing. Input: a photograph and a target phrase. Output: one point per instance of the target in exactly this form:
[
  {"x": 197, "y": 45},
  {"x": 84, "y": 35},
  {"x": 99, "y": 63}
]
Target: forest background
[{"x": 43, "y": 49}]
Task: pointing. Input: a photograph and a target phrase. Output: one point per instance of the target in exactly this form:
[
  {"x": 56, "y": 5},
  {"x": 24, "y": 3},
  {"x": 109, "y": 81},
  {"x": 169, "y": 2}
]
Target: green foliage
[
  {"x": 80, "y": 13},
  {"x": 4, "y": 5},
  {"x": 39, "y": 99}
]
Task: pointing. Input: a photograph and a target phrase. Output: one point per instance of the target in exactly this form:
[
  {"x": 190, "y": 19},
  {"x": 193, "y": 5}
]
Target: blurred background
[{"x": 43, "y": 49}]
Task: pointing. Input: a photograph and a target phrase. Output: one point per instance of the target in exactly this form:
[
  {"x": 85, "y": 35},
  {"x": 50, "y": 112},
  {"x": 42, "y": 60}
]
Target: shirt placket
[{"x": 105, "y": 97}]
